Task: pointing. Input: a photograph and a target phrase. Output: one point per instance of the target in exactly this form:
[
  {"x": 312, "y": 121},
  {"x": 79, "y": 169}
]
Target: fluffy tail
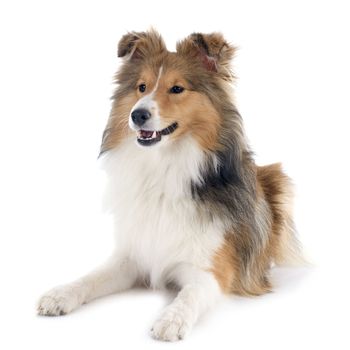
[{"x": 278, "y": 191}]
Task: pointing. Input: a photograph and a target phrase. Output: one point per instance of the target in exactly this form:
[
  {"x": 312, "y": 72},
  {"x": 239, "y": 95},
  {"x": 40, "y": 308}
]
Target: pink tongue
[{"x": 146, "y": 134}]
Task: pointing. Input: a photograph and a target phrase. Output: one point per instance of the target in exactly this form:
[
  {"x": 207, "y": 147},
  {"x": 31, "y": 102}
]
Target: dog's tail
[{"x": 278, "y": 192}]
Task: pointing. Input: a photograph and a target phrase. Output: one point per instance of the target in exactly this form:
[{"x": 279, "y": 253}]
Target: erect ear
[
  {"x": 136, "y": 45},
  {"x": 214, "y": 52}
]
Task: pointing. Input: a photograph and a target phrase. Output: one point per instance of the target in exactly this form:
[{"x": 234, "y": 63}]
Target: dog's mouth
[{"x": 151, "y": 137}]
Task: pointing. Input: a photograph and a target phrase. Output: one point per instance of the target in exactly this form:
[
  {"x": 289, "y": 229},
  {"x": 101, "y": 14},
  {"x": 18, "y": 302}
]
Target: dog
[{"x": 191, "y": 209}]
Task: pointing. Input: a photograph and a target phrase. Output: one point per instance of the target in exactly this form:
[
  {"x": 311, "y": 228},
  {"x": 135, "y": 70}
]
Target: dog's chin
[{"x": 153, "y": 137}]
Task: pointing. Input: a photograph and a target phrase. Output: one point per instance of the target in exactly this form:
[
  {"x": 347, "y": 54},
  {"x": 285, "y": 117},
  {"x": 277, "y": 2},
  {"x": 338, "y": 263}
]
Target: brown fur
[
  {"x": 278, "y": 192},
  {"x": 141, "y": 45},
  {"x": 274, "y": 187},
  {"x": 117, "y": 127},
  {"x": 212, "y": 49},
  {"x": 192, "y": 109},
  {"x": 227, "y": 271},
  {"x": 201, "y": 102}
]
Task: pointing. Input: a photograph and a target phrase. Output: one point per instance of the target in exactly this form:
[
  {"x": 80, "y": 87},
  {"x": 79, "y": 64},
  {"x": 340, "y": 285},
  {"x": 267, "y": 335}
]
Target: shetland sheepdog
[{"x": 191, "y": 209}]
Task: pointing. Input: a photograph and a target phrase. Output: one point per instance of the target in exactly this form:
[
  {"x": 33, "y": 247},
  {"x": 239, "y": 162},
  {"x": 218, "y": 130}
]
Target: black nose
[{"x": 140, "y": 116}]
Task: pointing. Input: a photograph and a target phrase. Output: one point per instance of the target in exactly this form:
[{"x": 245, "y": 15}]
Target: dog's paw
[
  {"x": 173, "y": 325},
  {"x": 58, "y": 301}
]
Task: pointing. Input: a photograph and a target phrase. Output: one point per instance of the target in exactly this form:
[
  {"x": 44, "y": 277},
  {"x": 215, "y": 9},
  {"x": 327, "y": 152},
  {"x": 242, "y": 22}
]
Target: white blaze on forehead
[
  {"x": 148, "y": 102},
  {"x": 158, "y": 78}
]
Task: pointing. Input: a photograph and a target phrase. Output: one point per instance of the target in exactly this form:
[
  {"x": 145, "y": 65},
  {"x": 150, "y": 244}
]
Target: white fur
[
  {"x": 199, "y": 292},
  {"x": 162, "y": 235},
  {"x": 156, "y": 221},
  {"x": 117, "y": 274}
]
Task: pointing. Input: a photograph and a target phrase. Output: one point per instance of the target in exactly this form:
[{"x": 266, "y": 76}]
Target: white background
[{"x": 57, "y": 62}]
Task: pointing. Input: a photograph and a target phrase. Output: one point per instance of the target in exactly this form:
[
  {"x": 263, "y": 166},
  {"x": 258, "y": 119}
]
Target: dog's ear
[
  {"x": 212, "y": 50},
  {"x": 138, "y": 45}
]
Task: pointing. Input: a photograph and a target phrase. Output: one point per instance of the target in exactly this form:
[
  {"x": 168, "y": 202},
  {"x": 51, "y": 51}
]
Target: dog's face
[{"x": 164, "y": 95}]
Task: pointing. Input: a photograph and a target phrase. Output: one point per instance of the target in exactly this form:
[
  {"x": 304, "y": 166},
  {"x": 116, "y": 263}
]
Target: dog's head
[{"x": 164, "y": 95}]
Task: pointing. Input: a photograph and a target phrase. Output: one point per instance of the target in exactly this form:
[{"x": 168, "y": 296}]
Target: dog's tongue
[{"x": 146, "y": 133}]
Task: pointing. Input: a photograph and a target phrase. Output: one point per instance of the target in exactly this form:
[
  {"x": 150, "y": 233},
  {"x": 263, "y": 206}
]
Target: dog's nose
[{"x": 140, "y": 116}]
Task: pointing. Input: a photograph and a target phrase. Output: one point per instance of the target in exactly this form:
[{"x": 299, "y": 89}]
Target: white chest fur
[{"x": 157, "y": 223}]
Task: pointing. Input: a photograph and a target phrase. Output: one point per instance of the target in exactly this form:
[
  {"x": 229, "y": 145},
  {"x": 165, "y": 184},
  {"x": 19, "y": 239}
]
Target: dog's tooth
[{"x": 154, "y": 134}]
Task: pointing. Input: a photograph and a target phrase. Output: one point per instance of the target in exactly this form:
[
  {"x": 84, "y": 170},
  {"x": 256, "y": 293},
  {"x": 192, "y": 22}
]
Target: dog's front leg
[
  {"x": 115, "y": 275},
  {"x": 199, "y": 290}
]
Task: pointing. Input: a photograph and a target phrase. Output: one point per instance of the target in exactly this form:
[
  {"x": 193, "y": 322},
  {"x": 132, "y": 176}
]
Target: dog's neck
[{"x": 166, "y": 170}]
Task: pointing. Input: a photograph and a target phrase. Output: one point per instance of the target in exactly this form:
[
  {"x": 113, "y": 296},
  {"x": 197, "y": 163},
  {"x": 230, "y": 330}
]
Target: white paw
[
  {"x": 58, "y": 301},
  {"x": 173, "y": 325}
]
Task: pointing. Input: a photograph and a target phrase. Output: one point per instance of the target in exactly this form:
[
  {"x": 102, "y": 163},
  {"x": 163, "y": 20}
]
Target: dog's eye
[
  {"x": 176, "y": 89},
  {"x": 142, "y": 87}
]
